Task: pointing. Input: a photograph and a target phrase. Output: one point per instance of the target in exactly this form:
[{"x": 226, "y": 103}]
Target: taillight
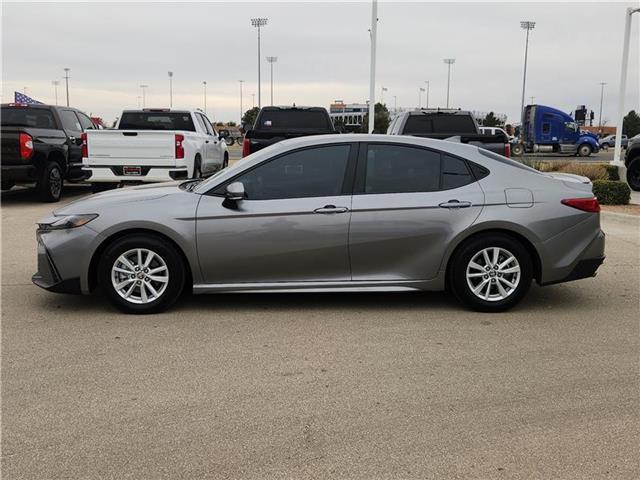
[
  {"x": 246, "y": 147},
  {"x": 85, "y": 146},
  {"x": 507, "y": 150},
  {"x": 590, "y": 205},
  {"x": 179, "y": 146},
  {"x": 26, "y": 146}
]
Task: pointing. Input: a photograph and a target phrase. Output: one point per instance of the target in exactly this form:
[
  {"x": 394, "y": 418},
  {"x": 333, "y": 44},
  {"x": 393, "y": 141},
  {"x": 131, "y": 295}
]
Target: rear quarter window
[{"x": 294, "y": 119}]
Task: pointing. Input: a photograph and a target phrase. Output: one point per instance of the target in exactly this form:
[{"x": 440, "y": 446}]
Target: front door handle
[
  {"x": 331, "y": 209},
  {"x": 455, "y": 204}
]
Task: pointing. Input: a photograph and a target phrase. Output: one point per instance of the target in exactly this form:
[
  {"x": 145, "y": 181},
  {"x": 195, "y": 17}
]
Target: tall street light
[
  {"x": 271, "y": 61},
  {"x": 420, "y": 90},
  {"x": 170, "y": 89},
  {"x": 449, "y": 62},
  {"x": 66, "y": 79},
  {"x": 253, "y": 100},
  {"x": 372, "y": 66},
  {"x": 55, "y": 84},
  {"x": 241, "y": 112},
  {"x": 427, "y": 82},
  {"x": 395, "y": 104},
  {"x": 259, "y": 23},
  {"x": 204, "y": 86},
  {"x": 528, "y": 26},
  {"x": 144, "y": 95},
  {"x": 602, "y": 84},
  {"x": 382, "y": 90}
]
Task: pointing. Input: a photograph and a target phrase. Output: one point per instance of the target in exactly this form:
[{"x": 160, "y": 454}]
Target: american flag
[{"x": 24, "y": 99}]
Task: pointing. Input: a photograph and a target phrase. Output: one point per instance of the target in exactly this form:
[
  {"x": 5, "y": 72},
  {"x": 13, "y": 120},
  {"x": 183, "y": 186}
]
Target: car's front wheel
[
  {"x": 585, "y": 150},
  {"x": 633, "y": 174},
  {"x": 490, "y": 273},
  {"x": 141, "y": 274}
]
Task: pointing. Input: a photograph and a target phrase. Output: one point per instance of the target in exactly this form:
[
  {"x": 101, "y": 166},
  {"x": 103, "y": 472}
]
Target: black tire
[
  {"x": 225, "y": 162},
  {"x": 197, "y": 167},
  {"x": 229, "y": 141},
  {"x": 102, "y": 187},
  {"x": 165, "y": 251},
  {"x": 584, "y": 150},
  {"x": 633, "y": 175},
  {"x": 459, "y": 284},
  {"x": 517, "y": 149},
  {"x": 50, "y": 183}
]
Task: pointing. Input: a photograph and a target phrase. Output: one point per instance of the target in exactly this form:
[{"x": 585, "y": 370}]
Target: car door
[
  {"x": 292, "y": 226},
  {"x": 206, "y": 136},
  {"x": 217, "y": 152},
  {"x": 408, "y": 204},
  {"x": 73, "y": 128}
]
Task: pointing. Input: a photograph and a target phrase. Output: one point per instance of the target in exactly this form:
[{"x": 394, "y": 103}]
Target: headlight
[{"x": 67, "y": 221}]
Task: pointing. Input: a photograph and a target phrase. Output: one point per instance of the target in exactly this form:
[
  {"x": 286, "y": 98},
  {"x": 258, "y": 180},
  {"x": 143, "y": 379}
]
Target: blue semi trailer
[{"x": 549, "y": 130}]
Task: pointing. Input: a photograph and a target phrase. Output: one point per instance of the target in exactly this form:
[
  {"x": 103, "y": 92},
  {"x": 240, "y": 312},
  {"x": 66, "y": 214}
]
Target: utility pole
[
  {"x": 271, "y": 61},
  {"x": 259, "y": 23},
  {"x": 66, "y": 78},
  {"x": 204, "y": 84},
  {"x": 602, "y": 84},
  {"x": 427, "y": 82},
  {"x": 253, "y": 100},
  {"x": 528, "y": 26},
  {"x": 170, "y": 89},
  {"x": 241, "y": 112},
  {"x": 372, "y": 69},
  {"x": 55, "y": 84},
  {"x": 144, "y": 95},
  {"x": 382, "y": 90},
  {"x": 449, "y": 62},
  {"x": 420, "y": 90}
]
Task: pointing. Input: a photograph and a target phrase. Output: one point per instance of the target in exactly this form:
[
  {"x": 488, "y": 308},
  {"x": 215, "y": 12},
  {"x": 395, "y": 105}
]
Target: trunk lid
[{"x": 120, "y": 147}]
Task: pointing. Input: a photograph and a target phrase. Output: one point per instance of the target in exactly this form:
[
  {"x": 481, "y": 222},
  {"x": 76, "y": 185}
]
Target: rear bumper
[
  {"x": 19, "y": 173},
  {"x": 583, "y": 269},
  {"x": 148, "y": 174}
]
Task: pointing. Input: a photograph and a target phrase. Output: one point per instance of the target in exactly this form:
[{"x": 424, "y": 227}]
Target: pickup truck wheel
[
  {"x": 229, "y": 141},
  {"x": 197, "y": 168},
  {"x": 584, "y": 150},
  {"x": 517, "y": 149},
  {"x": 49, "y": 185},
  {"x": 633, "y": 175}
]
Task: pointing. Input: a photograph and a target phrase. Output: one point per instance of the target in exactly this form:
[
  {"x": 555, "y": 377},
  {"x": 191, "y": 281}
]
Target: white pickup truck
[{"x": 153, "y": 145}]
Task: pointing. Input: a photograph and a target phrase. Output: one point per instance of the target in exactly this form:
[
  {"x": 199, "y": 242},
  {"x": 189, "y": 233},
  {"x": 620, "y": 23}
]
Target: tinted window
[
  {"x": 439, "y": 123},
  {"x": 70, "y": 121},
  {"x": 209, "y": 126},
  {"x": 396, "y": 169},
  {"x": 85, "y": 121},
  {"x": 27, "y": 117},
  {"x": 455, "y": 173},
  {"x": 156, "y": 121},
  {"x": 293, "y": 119},
  {"x": 203, "y": 124},
  {"x": 314, "y": 172}
]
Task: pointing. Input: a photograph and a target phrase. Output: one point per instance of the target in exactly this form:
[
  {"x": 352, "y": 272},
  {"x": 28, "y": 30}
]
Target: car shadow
[{"x": 28, "y": 195}]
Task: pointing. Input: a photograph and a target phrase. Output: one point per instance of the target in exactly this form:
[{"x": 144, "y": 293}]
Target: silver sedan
[{"x": 331, "y": 213}]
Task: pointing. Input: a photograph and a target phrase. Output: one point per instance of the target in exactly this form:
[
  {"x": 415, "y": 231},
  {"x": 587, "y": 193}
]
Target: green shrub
[
  {"x": 612, "y": 171},
  {"x": 609, "y": 192}
]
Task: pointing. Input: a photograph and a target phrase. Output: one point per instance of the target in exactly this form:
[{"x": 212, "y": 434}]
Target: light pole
[
  {"x": 449, "y": 62},
  {"x": 170, "y": 89},
  {"x": 139, "y": 98},
  {"x": 602, "y": 84},
  {"x": 253, "y": 100},
  {"x": 259, "y": 23},
  {"x": 271, "y": 61},
  {"x": 420, "y": 90},
  {"x": 395, "y": 104},
  {"x": 66, "y": 78},
  {"x": 528, "y": 26},
  {"x": 241, "y": 112},
  {"x": 382, "y": 90},
  {"x": 532, "y": 99},
  {"x": 372, "y": 66},
  {"x": 427, "y": 82},
  {"x": 144, "y": 95},
  {"x": 55, "y": 84},
  {"x": 204, "y": 86}
]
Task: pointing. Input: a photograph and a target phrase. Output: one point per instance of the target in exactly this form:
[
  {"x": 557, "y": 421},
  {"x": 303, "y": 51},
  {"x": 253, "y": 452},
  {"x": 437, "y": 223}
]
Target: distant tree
[
  {"x": 491, "y": 121},
  {"x": 381, "y": 119},
  {"x": 631, "y": 124},
  {"x": 231, "y": 124},
  {"x": 250, "y": 116},
  {"x": 338, "y": 124}
]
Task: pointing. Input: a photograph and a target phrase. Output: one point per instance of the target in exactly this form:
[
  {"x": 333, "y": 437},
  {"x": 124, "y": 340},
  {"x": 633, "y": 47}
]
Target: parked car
[
  {"x": 41, "y": 144},
  {"x": 274, "y": 124},
  {"x": 493, "y": 131},
  {"x": 154, "y": 145},
  {"x": 610, "y": 141},
  {"x": 331, "y": 213},
  {"x": 448, "y": 124},
  {"x": 632, "y": 162}
]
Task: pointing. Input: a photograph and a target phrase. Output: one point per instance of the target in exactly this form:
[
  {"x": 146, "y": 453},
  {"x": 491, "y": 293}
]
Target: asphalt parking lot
[{"x": 320, "y": 386}]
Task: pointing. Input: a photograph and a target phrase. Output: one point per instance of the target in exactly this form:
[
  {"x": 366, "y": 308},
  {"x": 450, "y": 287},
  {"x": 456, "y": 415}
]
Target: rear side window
[
  {"x": 439, "y": 123},
  {"x": 399, "y": 169},
  {"x": 157, "y": 121},
  {"x": 70, "y": 121},
  {"x": 85, "y": 121},
  {"x": 27, "y": 117},
  {"x": 294, "y": 119},
  {"x": 455, "y": 173}
]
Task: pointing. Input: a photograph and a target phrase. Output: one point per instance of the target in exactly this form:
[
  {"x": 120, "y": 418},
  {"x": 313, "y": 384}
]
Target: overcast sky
[{"x": 323, "y": 54}]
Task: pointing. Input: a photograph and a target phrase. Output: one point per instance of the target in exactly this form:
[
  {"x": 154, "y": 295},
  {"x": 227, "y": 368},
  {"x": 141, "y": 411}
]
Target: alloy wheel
[
  {"x": 140, "y": 276},
  {"x": 55, "y": 182},
  {"x": 493, "y": 274}
]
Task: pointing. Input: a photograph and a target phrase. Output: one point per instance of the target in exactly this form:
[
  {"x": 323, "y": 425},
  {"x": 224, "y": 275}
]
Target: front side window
[
  {"x": 69, "y": 121},
  {"x": 313, "y": 172},
  {"x": 400, "y": 169}
]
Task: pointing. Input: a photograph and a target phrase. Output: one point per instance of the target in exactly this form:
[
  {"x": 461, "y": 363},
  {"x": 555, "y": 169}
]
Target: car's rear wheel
[
  {"x": 197, "y": 167},
  {"x": 141, "y": 274},
  {"x": 633, "y": 174},
  {"x": 490, "y": 273},
  {"x": 49, "y": 185},
  {"x": 584, "y": 150}
]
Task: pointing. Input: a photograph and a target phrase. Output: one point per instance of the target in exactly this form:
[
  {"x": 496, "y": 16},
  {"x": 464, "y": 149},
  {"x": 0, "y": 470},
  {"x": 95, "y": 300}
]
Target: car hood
[{"x": 94, "y": 203}]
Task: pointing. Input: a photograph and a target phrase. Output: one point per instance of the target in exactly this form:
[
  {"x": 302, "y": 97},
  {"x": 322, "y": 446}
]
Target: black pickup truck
[
  {"x": 275, "y": 124},
  {"x": 42, "y": 144},
  {"x": 452, "y": 125},
  {"x": 632, "y": 162}
]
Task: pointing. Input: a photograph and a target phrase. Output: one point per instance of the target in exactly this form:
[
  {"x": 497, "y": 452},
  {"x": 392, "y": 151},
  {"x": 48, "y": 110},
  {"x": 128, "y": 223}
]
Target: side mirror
[
  {"x": 247, "y": 127},
  {"x": 235, "y": 191}
]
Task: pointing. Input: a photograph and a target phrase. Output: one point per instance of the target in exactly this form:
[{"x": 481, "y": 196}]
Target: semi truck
[{"x": 549, "y": 130}]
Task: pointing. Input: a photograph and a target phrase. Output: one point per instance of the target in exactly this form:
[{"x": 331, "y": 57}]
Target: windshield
[
  {"x": 293, "y": 119},
  {"x": 27, "y": 117},
  {"x": 156, "y": 121}
]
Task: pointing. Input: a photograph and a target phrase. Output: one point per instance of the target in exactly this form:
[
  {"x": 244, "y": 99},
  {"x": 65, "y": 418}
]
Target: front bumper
[{"x": 148, "y": 174}]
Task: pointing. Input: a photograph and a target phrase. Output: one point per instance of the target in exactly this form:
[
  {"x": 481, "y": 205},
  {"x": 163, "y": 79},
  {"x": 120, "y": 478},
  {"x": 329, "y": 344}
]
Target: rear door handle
[
  {"x": 331, "y": 209},
  {"x": 455, "y": 204}
]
